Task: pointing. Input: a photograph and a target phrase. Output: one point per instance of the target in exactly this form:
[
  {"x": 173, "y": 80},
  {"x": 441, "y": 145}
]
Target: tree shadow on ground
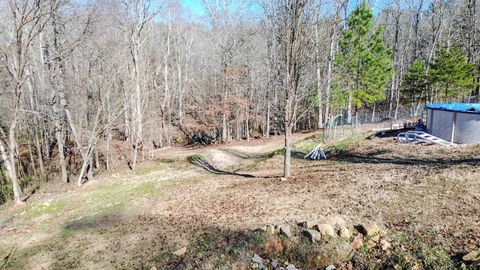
[
  {"x": 97, "y": 221},
  {"x": 389, "y": 133},
  {"x": 199, "y": 161},
  {"x": 237, "y": 153},
  {"x": 299, "y": 154},
  {"x": 434, "y": 163}
]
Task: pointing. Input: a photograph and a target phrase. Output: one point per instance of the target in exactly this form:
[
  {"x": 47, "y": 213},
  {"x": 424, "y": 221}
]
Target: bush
[{"x": 6, "y": 189}]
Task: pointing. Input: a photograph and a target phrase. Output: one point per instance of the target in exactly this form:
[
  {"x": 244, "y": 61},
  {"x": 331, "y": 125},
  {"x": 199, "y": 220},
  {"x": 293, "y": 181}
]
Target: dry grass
[{"x": 426, "y": 192}]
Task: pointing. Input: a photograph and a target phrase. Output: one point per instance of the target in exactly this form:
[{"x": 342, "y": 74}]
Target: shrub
[{"x": 6, "y": 190}]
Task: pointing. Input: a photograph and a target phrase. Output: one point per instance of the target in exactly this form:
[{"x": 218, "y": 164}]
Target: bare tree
[
  {"x": 138, "y": 14},
  {"x": 28, "y": 19},
  {"x": 292, "y": 22}
]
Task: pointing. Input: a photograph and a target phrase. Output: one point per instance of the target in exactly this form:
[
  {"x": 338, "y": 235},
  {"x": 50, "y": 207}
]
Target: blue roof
[{"x": 455, "y": 106}]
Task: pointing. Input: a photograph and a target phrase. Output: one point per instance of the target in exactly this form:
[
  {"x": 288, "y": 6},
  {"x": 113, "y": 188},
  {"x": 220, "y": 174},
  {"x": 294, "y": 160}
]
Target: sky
[{"x": 195, "y": 6}]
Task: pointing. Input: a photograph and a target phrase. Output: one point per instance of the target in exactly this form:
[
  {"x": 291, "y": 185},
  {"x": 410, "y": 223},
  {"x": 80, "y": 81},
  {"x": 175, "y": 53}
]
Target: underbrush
[
  {"x": 216, "y": 248},
  {"x": 406, "y": 253},
  {"x": 308, "y": 144},
  {"x": 347, "y": 144},
  {"x": 220, "y": 249},
  {"x": 6, "y": 190}
]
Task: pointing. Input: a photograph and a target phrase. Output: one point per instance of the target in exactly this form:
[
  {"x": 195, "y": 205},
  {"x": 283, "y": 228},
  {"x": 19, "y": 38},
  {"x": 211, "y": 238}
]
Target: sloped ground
[{"x": 425, "y": 196}]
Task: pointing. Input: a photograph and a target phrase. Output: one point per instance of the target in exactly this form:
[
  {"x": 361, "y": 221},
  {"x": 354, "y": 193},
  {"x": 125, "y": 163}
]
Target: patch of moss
[
  {"x": 67, "y": 232},
  {"x": 36, "y": 210},
  {"x": 113, "y": 195},
  {"x": 149, "y": 169}
]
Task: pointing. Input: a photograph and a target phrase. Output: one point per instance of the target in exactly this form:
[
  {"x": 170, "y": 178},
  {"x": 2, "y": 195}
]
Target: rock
[
  {"x": 330, "y": 267},
  {"x": 180, "y": 252},
  {"x": 257, "y": 259},
  {"x": 357, "y": 242},
  {"x": 270, "y": 229},
  {"x": 286, "y": 230},
  {"x": 335, "y": 221},
  {"x": 291, "y": 267},
  {"x": 371, "y": 244},
  {"x": 240, "y": 266},
  {"x": 326, "y": 229},
  {"x": 344, "y": 233},
  {"x": 375, "y": 238},
  {"x": 283, "y": 179},
  {"x": 370, "y": 230},
  {"x": 385, "y": 244},
  {"x": 308, "y": 224},
  {"x": 313, "y": 235},
  {"x": 258, "y": 266},
  {"x": 472, "y": 256},
  {"x": 263, "y": 229},
  {"x": 257, "y": 262},
  {"x": 274, "y": 264},
  {"x": 153, "y": 268}
]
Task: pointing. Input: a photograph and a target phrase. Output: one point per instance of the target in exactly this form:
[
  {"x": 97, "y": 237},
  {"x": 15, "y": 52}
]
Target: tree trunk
[
  {"x": 126, "y": 118},
  {"x": 373, "y": 113},
  {"x": 267, "y": 121},
  {"x": 288, "y": 151},
  {"x": 349, "y": 109},
  {"x": 17, "y": 192},
  {"x": 11, "y": 173},
  {"x": 331, "y": 57},
  {"x": 247, "y": 127},
  {"x": 137, "y": 100},
  {"x": 319, "y": 78},
  {"x": 61, "y": 151}
]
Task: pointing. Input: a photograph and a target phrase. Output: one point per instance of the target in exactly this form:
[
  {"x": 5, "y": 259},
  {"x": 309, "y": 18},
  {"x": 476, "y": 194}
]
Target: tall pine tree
[
  {"x": 362, "y": 66},
  {"x": 415, "y": 83},
  {"x": 452, "y": 75}
]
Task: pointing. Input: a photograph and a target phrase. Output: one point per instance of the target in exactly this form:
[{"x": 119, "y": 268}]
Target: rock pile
[
  {"x": 331, "y": 226},
  {"x": 263, "y": 264},
  {"x": 364, "y": 235}
]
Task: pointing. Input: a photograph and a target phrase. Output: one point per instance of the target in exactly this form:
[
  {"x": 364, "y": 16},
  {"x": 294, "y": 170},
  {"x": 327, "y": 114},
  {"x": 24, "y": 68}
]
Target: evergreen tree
[
  {"x": 415, "y": 83},
  {"x": 363, "y": 65},
  {"x": 451, "y": 74}
]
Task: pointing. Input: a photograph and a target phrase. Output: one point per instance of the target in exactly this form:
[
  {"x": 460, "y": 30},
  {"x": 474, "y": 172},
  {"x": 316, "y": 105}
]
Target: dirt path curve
[
  {"x": 229, "y": 155},
  {"x": 233, "y": 155}
]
